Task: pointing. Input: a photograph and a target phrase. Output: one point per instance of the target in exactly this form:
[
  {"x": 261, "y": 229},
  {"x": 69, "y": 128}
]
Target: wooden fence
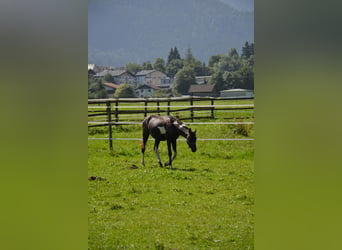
[
  {"x": 112, "y": 108},
  {"x": 109, "y": 112}
]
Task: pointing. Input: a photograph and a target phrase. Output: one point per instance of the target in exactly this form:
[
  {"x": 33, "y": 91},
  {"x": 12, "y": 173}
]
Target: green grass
[{"x": 206, "y": 202}]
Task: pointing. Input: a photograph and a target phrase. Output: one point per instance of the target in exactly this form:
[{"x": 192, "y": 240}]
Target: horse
[{"x": 166, "y": 128}]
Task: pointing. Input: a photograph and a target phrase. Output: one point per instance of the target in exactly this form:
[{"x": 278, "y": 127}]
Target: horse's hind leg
[
  {"x": 143, "y": 145},
  {"x": 156, "y": 145}
]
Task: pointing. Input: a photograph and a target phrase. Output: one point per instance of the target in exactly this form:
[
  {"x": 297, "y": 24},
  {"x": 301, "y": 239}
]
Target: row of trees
[
  {"x": 233, "y": 71},
  {"x": 227, "y": 70}
]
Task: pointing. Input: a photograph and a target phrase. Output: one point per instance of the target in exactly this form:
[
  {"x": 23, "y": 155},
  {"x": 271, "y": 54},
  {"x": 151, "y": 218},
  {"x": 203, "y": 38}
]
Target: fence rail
[
  {"x": 111, "y": 107},
  {"x": 109, "y": 112}
]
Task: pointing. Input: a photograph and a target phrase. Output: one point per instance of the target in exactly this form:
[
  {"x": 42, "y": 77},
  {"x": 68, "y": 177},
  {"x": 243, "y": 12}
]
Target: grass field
[{"x": 205, "y": 202}]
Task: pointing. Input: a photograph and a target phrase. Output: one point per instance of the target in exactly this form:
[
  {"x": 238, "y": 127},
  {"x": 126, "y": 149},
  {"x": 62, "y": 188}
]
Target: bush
[
  {"x": 242, "y": 129},
  {"x": 124, "y": 91}
]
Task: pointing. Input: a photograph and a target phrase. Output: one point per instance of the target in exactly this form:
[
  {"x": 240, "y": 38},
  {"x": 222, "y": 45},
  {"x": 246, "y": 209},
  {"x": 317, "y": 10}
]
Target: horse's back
[{"x": 159, "y": 126}]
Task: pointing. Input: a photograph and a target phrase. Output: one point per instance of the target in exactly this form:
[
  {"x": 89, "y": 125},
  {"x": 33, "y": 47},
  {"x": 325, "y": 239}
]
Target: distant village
[
  {"x": 147, "y": 82},
  {"x": 229, "y": 75}
]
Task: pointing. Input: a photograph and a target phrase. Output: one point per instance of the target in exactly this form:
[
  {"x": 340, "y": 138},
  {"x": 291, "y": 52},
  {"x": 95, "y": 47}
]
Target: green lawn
[{"x": 206, "y": 202}]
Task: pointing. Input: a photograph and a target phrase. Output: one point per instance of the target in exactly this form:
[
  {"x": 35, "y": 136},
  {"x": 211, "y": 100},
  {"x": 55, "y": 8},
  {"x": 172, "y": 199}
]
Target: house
[
  {"x": 120, "y": 76},
  {"x": 145, "y": 90},
  {"x": 203, "y": 79},
  {"x": 150, "y": 77},
  {"x": 237, "y": 93},
  {"x": 91, "y": 73},
  {"x": 166, "y": 83},
  {"x": 202, "y": 90},
  {"x": 94, "y": 68},
  {"x": 110, "y": 88}
]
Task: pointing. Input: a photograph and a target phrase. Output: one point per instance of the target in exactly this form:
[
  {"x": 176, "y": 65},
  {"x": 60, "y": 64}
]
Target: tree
[
  {"x": 173, "y": 67},
  {"x": 133, "y": 67},
  {"x": 147, "y": 65},
  {"x": 247, "y": 50},
  {"x": 197, "y": 65},
  {"x": 159, "y": 64},
  {"x": 246, "y": 76},
  {"x": 162, "y": 93},
  {"x": 184, "y": 78},
  {"x": 96, "y": 90},
  {"x": 217, "y": 79},
  {"x": 227, "y": 63},
  {"x": 231, "y": 71},
  {"x": 251, "y": 49},
  {"x": 176, "y": 54},
  {"x": 108, "y": 78},
  {"x": 170, "y": 56},
  {"x": 233, "y": 53},
  {"x": 189, "y": 58},
  {"x": 214, "y": 59},
  {"x": 173, "y": 55},
  {"x": 205, "y": 70},
  {"x": 124, "y": 91}
]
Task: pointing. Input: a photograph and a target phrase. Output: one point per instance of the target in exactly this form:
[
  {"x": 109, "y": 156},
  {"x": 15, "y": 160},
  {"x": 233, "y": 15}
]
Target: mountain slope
[
  {"x": 122, "y": 31},
  {"x": 243, "y": 5}
]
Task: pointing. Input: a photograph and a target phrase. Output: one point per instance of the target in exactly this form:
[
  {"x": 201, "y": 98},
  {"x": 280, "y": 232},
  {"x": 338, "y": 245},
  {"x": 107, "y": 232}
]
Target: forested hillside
[{"x": 122, "y": 31}]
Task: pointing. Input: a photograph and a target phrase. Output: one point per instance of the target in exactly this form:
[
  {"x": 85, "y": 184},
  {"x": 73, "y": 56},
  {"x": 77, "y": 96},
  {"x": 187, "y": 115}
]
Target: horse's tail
[
  {"x": 146, "y": 121},
  {"x": 145, "y": 134}
]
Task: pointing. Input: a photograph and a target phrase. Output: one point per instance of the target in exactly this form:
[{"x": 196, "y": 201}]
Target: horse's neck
[{"x": 183, "y": 131}]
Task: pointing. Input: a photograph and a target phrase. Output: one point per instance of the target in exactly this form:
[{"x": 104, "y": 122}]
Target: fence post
[
  {"x": 110, "y": 132},
  {"x": 168, "y": 106},
  {"x": 117, "y": 112},
  {"x": 158, "y": 108},
  {"x": 191, "y": 109},
  {"x": 212, "y": 109},
  {"x": 145, "y": 109}
]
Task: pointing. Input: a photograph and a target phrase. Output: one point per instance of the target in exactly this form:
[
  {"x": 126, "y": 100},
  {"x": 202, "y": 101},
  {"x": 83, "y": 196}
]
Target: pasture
[{"x": 205, "y": 202}]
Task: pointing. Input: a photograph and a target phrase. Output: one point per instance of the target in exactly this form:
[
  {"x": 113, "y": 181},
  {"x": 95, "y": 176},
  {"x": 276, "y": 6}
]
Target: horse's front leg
[
  {"x": 170, "y": 154},
  {"x": 156, "y": 145}
]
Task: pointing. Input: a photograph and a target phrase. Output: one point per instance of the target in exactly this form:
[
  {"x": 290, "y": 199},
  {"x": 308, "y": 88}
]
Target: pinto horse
[{"x": 166, "y": 128}]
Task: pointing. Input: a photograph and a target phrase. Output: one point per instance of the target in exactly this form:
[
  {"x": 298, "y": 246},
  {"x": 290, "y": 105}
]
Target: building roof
[
  {"x": 201, "y": 88},
  {"x": 111, "y": 85},
  {"x": 236, "y": 90},
  {"x": 118, "y": 72},
  {"x": 202, "y": 77},
  {"x": 113, "y": 72},
  {"x": 145, "y": 72},
  {"x": 145, "y": 86}
]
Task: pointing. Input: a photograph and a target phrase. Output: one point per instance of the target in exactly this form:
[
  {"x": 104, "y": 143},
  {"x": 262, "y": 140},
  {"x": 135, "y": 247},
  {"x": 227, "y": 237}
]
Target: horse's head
[{"x": 191, "y": 140}]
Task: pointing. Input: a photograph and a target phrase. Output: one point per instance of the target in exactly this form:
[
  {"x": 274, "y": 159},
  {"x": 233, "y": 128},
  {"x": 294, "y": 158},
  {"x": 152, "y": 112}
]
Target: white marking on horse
[
  {"x": 162, "y": 130},
  {"x": 180, "y": 125}
]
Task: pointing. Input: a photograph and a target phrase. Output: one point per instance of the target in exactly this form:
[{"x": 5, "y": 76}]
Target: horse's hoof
[{"x": 167, "y": 163}]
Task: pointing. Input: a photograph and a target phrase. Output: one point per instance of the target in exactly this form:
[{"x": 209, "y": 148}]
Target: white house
[
  {"x": 203, "y": 79},
  {"x": 120, "y": 76},
  {"x": 237, "y": 93},
  {"x": 150, "y": 77},
  {"x": 94, "y": 68},
  {"x": 145, "y": 90}
]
